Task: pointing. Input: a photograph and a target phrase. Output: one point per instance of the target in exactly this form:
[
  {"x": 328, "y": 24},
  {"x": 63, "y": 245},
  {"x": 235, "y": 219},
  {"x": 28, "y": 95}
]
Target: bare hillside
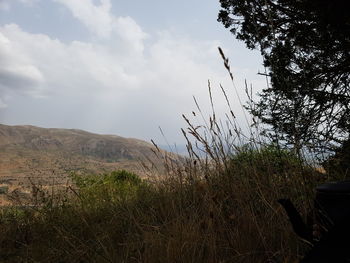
[{"x": 30, "y": 154}]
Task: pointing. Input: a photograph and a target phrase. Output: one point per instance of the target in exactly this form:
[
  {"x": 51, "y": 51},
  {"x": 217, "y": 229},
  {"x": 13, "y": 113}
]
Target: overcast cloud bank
[{"x": 123, "y": 75}]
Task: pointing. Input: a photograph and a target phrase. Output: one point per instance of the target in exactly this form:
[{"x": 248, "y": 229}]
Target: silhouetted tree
[{"x": 306, "y": 49}]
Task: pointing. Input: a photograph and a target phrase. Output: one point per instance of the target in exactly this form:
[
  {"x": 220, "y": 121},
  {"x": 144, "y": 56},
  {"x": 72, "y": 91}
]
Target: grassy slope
[{"x": 228, "y": 215}]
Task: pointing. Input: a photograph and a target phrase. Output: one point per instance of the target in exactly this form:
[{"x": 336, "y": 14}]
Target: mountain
[{"x": 32, "y": 155}]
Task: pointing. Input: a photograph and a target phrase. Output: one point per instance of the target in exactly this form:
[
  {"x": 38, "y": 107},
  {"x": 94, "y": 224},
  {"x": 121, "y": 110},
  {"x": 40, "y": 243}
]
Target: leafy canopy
[{"x": 306, "y": 49}]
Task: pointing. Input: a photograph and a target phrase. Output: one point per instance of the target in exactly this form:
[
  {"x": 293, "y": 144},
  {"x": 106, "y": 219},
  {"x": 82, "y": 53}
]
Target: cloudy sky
[{"x": 115, "y": 66}]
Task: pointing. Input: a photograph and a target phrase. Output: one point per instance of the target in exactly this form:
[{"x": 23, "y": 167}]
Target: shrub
[
  {"x": 108, "y": 187},
  {"x": 271, "y": 158}
]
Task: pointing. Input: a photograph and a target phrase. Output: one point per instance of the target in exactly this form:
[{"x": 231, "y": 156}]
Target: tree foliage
[{"x": 306, "y": 49}]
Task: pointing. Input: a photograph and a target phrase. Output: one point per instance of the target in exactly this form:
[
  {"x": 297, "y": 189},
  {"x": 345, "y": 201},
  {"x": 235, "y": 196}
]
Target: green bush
[
  {"x": 108, "y": 187},
  {"x": 270, "y": 158}
]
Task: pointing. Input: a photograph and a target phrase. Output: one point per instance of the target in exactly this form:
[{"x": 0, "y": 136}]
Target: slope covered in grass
[{"x": 200, "y": 212}]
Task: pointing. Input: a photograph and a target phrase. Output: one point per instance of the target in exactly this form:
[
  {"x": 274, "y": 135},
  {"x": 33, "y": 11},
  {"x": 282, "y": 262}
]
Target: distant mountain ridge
[
  {"x": 47, "y": 156},
  {"x": 73, "y": 141}
]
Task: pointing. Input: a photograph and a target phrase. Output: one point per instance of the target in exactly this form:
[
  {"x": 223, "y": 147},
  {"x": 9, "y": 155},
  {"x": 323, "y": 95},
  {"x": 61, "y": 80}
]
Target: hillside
[{"x": 30, "y": 154}]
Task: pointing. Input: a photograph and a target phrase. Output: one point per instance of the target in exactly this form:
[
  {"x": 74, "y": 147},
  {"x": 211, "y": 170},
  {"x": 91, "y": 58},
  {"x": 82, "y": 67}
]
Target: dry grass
[
  {"x": 218, "y": 205},
  {"x": 216, "y": 215}
]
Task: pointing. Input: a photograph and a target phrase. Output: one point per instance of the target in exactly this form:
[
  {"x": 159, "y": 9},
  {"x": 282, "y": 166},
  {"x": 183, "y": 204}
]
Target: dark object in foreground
[{"x": 332, "y": 216}]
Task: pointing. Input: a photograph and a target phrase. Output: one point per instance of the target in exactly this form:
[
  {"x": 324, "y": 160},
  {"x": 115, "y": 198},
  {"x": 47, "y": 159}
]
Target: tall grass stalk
[{"x": 216, "y": 205}]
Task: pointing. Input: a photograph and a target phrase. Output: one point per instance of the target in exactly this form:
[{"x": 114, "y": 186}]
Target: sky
[{"x": 118, "y": 67}]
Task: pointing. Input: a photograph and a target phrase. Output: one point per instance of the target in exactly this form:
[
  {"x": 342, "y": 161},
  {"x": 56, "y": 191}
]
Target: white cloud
[
  {"x": 115, "y": 79},
  {"x": 130, "y": 32},
  {"x": 17, "y": 70},
  {"x": 96, "y": 18},
  {"x": 105, "y": 80},
  {"x": 36, "y": 59}
]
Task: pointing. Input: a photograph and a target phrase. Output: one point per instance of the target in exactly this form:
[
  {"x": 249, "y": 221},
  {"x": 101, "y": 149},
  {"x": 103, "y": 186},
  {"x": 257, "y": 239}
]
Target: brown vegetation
[{"x": 218, "y": 207}]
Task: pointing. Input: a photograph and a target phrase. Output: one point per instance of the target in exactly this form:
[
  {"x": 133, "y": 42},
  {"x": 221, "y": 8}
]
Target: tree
[{"x": 305, "y": 45}]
